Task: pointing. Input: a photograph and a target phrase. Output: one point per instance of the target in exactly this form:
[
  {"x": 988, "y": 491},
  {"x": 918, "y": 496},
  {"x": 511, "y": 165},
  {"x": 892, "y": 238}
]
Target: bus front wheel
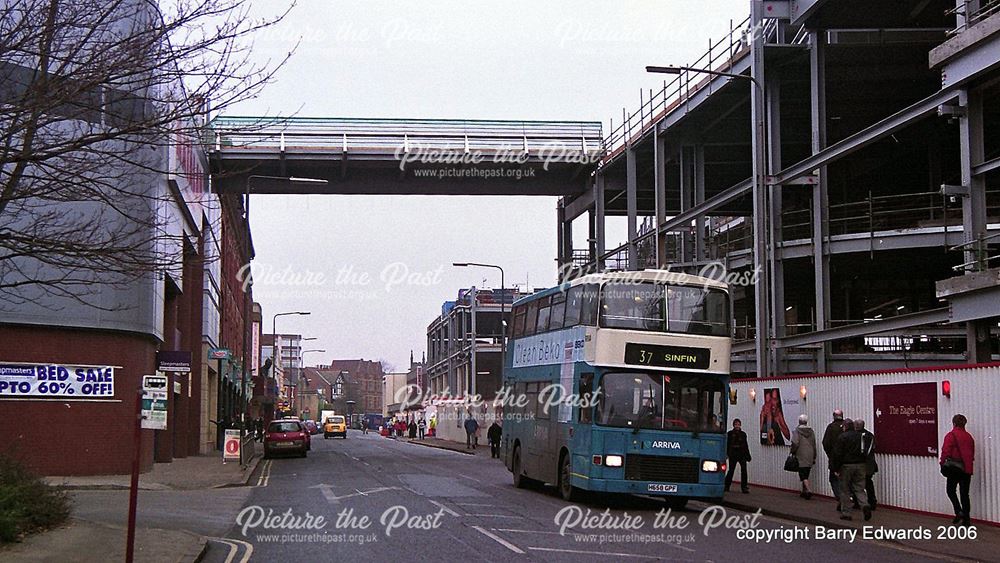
[
  {"x": 520, "y": 481},
  {"x": 567, "y": 491}
]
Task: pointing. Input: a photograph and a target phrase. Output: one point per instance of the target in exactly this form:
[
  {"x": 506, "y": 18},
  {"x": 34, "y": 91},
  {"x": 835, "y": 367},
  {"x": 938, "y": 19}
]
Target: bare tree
[{"x": 100, "y": 102}]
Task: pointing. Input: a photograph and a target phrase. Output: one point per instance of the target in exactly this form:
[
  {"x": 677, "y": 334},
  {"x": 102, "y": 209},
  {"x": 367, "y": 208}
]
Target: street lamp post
[
  {"x": 503, "y": 311},
  {"x": 760, "y": 212}
]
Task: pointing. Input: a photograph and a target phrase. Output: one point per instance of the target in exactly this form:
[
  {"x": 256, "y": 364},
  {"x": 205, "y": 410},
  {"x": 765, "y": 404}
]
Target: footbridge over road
[{"x": 403, "y": 156}]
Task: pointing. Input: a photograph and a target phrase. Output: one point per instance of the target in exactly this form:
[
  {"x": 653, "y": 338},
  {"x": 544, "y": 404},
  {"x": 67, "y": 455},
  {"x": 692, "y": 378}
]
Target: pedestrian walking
[
  {"x": 412, "y": 429},
  {"x": 830, "y": 436},
  {"x": 957, "y": 455},
  {"x": 421, "y": 427},
  {"x": 738, "y": 451},
  {"x": 471, "y": 427},
  {"x": 259, "y": 427},
  {"x": 364, "y": 425},
  {"x": 804, "y": 449},
  {"x": 851, "y": 463},
  {"x": 868, "y": 447},
  {"x": 493, "y": 435}
]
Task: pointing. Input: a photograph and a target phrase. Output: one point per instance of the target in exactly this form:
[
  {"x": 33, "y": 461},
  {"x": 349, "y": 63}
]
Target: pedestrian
[
  {"x": 868, "y": 447},
  {"x": 833, "y": 431},
  {"x": 738, "y": 451},
  {"x": 421, "y": 427},
  {"x": 364, "y": 425},
  {"x": 493, "y": 435},
  {"x": 412, "y": 429},
  {"x": 804, "y": 449},
  {"x": 433, "y": 427},
  {"x": 471, "y": 427},
  {"x": 957, "y": 455},
  {"x": 851, "y": 463},
  {"x": 260, "y": 428}
]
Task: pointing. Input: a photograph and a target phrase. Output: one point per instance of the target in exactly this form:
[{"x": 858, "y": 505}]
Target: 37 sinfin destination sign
[{"x": 56, "y": 381}]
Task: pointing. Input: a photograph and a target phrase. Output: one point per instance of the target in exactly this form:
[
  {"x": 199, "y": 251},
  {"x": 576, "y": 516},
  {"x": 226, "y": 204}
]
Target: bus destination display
[{"x": 667, "y": 356}]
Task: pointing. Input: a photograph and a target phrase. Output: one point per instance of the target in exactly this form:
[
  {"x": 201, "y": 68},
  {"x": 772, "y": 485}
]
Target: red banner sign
[{"x": 906, "y": 420}]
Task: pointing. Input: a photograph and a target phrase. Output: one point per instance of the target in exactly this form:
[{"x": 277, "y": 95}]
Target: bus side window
[
  {"x": 557, "y": 312},
  {"x": 543, "y": 315},
  {"x": 542, "y": 408},
  {"x": 530, "y": 317},
  {"x": 586, "y": 415},
  {"x": 588, "y": 314},
  {"x": 519, "y": 313},
  {"x": 573, "y": 303}
]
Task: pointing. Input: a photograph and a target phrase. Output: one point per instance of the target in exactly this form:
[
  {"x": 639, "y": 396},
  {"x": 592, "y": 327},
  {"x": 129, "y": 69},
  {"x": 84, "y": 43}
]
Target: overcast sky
[{"x": 574, "y": 60}]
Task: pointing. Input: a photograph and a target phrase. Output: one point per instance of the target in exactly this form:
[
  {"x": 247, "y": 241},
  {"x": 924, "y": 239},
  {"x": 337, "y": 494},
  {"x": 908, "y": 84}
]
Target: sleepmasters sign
[{"x": 31, "y": 381}]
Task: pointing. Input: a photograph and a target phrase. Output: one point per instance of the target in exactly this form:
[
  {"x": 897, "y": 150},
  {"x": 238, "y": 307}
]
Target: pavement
[
  {"x": 194, "y": 472},
  {"x": 96, "y": 531},
  {"x": 821, "y": 511}
]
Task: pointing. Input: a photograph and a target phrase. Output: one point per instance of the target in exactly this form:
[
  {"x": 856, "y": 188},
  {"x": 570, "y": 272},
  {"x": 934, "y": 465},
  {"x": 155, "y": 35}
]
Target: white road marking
[
  {"x": 513, "y": 531},
  {"x": 499, "y": 540},
  {"x": 497, "y": 516},
  {"x": 474, "y": 504},
  {"x": 265, "y": 474},
  {"x": 444, "y": 508},
  {"x": 601, "y": 553},
  {"x": 234, "y": 548}
]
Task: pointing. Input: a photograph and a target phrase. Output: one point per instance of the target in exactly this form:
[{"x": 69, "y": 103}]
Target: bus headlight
[
  {"x": 613, "y": 460},
  {"x": 710, "y": 466}
]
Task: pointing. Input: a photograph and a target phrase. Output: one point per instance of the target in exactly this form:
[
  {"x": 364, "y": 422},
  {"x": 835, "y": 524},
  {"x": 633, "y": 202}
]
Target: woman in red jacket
[{"x": 959, "y": 445}]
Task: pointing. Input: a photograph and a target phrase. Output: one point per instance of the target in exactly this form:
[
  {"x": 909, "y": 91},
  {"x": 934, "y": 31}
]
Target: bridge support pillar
[
  {"x": 660, "y": 195},
  {"x": 599, "y": 221}
]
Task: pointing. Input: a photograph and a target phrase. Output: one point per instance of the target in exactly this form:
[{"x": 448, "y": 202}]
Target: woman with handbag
[
  {"x": 804, "y": 450},
  {"x": 957, "y": 455}
]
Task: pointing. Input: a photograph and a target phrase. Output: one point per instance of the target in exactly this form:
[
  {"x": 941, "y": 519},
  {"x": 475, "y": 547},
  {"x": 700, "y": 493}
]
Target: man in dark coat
[
  {"x": 868, "y": 447},
  {"x": 493, "y": 435},
  {"x": 471, "y": 427},
  {"x": 851, "y": 464},
  {"x": 738, "y": 451},
  {"x": 833, "y": 431}
]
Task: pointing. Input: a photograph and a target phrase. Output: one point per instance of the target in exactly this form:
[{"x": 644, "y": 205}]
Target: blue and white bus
[{"x": 637, "y": 364}]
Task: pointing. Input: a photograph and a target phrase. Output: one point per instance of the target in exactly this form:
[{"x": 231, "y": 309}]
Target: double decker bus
[{"x": 618, "y": 383}]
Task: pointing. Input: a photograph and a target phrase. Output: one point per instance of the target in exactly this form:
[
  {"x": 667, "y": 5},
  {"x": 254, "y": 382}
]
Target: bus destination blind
[{"x": 667, "y": 356}]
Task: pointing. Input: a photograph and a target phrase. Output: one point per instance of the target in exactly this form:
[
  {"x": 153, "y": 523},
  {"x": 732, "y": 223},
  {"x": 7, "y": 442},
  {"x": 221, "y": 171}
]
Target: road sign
[
  {"x": 219, "y": 353},
  {"x": 154, "y": 402},
  {"x": 173, "y": 360},
  {"x": 231, "y": 445}
]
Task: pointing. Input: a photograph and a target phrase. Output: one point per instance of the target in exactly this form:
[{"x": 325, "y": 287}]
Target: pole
[
  {"x": 134, "y": 487},
  {"x": 246, "y": 333},
  {"x": 219, "y": 398}
]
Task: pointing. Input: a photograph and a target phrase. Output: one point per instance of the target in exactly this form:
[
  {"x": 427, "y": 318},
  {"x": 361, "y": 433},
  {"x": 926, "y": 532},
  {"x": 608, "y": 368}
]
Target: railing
[
  {"x": 346, "y": 134},
  {"x": 726, "y": 51},
  {"x": 974, "y": 11}
]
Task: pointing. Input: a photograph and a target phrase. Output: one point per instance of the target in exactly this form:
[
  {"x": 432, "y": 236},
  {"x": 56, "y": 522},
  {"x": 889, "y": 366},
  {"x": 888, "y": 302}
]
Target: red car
[
  {"x": 286, "y": 436},
  {"x": 311, "y": 427}
]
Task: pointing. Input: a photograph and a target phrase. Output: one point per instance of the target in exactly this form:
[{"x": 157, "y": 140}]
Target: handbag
[
  {"x": 952, "y": 467},
  {"x": 792, "y": 463}
]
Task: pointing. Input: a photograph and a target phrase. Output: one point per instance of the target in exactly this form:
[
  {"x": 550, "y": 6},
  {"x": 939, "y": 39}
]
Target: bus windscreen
[{"x": 661, "y": 402}]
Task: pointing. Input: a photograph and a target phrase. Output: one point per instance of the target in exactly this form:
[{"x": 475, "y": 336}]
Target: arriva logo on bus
[{"x": 667, "y": 445}]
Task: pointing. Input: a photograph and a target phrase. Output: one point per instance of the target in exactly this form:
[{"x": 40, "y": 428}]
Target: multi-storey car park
[{"x": 847, "y": 152}]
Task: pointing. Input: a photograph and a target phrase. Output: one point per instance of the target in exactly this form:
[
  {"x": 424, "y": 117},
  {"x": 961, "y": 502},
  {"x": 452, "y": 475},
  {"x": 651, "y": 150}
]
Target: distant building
[
  {"x": 464, "y": 344},
  {"x": 349, "y": 387}
]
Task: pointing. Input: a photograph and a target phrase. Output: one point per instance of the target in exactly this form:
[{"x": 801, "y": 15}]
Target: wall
[
  {"x": 76, "y": 437},
  {"x": 909, "y": 482}
]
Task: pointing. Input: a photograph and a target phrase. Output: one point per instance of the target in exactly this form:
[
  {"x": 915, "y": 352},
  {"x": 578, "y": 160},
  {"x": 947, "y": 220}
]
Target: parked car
[
  {"x": 312, "y": 427},
  {"x": 335, "y": 425},
  {"x": 286, "y": 436}
]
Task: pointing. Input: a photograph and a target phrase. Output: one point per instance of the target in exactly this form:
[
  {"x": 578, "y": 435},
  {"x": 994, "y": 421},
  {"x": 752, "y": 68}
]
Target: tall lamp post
[
  {"x": 503, "y": 311},
  {"x": 760, "y": 211}
]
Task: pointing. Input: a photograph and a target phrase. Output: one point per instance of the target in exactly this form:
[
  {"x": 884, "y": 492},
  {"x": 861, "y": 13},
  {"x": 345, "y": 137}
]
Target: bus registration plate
[{"x": 661, "y": 488}]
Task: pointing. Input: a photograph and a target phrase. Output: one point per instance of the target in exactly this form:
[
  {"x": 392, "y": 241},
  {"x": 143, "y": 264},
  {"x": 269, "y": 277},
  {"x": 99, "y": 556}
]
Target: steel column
[
  {"x": 631, "y": 204},
  {"x": 686, "y": 157},
  {"x": 660, "y": 195},
  {"x": 562, "y": 260},
  {"x": 973, "y": 210},
  {"x": 599, "y": 220},
  {"x": 700, "y": 252},
  {"x": 820, "y": 201},
  {"x": 778, "y": 328},
  {"x": 760, "y": 205}
]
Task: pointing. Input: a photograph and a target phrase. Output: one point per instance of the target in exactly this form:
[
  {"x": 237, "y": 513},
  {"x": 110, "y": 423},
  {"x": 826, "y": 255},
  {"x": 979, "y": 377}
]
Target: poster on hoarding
[
  {"x": 906, "y": 420},
  {"x": 56, "y": 381},
  {"x": 779, "y": 414}
]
